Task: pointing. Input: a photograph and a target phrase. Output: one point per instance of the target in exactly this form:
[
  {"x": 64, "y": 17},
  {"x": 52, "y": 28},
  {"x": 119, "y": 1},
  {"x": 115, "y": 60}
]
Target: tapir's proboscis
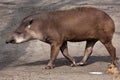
[{"x": 74, "y": 25}]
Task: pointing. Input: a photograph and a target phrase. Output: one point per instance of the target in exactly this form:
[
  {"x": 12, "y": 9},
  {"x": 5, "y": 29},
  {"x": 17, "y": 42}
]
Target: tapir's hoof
[
  {"x": 73, "y": 65},
  {"x": 81, "y": 64},
  {"x": 49, "y": 67}
]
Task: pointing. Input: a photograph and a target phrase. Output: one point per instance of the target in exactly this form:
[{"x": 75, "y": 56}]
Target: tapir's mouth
[
  {"x": 17, "y": 40},
  {"x": 11, "y": 41}
]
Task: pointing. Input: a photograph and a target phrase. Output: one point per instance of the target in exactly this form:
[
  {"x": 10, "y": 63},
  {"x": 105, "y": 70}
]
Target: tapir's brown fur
[{"x": 58, "y": 27}]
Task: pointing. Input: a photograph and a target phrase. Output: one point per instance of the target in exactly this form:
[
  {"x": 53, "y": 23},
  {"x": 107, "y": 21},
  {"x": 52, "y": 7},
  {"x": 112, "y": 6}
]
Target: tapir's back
[{"x": 82, "y": 23}]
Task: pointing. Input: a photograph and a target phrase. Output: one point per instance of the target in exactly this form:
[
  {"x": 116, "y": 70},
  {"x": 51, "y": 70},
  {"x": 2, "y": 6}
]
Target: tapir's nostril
[{"x": 7, "y": 42}]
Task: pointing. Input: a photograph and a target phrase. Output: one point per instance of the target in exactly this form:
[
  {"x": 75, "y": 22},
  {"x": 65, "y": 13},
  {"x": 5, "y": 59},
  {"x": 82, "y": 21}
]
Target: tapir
[{"x": 74, "y": 25}]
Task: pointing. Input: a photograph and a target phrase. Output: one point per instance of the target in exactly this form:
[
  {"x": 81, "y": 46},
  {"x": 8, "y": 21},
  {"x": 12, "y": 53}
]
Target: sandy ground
[{"x": 27, "y": 61}]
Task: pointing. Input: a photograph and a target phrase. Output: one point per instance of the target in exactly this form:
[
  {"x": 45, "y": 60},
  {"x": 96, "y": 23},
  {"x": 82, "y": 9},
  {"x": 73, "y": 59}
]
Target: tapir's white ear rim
[{"x": 29, "y": 26}]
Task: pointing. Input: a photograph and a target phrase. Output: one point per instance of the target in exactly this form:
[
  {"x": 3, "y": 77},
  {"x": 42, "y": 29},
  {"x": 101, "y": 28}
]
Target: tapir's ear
[{"x": 30, "y": 23}]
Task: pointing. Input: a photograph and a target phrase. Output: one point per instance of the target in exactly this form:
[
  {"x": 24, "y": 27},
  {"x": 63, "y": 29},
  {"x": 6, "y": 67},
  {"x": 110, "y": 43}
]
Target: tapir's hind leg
[
  {"x": 88, "y": 50},
  {"x": 111, "y": 49},
  {"x": 64, "y": 50}
]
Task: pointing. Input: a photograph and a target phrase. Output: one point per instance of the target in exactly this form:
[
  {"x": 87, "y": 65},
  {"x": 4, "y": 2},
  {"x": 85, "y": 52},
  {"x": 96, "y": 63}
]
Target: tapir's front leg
[{"x": 55, "y": 47}]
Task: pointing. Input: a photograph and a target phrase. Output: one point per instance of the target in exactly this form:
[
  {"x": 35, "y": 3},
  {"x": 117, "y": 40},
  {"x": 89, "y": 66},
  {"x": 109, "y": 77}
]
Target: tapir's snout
[
  {"x": 10, "y": 41},
  {"x": 17, "y": 38}
]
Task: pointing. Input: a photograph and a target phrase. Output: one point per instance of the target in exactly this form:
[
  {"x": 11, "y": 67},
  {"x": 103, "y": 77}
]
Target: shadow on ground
[{"x": 63, "y": 61}]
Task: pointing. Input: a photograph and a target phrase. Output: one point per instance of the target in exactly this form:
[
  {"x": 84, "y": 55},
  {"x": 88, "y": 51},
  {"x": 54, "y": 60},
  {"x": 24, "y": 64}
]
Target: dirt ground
[{"x": 27, "y": 61}]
